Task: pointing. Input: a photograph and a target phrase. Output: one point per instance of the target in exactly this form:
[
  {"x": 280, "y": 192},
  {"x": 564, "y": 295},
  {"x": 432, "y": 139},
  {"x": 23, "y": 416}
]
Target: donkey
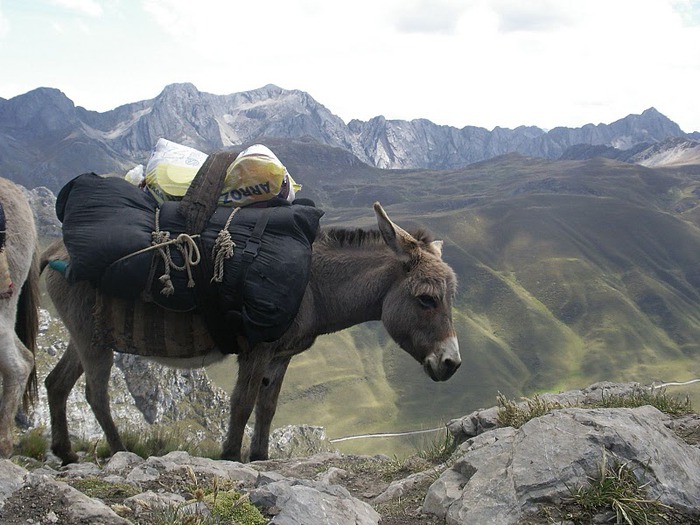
[
  {"x": 19, "y": 308},
  {"x": 356, "y": 276}
]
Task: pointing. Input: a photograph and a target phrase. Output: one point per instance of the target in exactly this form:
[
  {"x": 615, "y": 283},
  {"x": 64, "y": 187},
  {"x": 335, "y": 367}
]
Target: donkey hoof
[
  {"x": 258, "y": 456},
  {"x": 66, "y": 456},
  {"x": 230, "y": 456}
]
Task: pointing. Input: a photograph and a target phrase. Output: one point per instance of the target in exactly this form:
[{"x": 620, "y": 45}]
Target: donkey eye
[{"x": 427, "y": 301}]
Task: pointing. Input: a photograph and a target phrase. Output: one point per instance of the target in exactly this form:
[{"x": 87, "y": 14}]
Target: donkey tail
[{"x": 27, "y": 324}]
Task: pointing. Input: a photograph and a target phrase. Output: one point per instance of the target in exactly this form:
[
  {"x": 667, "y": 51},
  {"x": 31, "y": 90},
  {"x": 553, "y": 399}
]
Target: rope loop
[
  {"x": 161, "y": 241},
  {"x": 223, "y": 249}
]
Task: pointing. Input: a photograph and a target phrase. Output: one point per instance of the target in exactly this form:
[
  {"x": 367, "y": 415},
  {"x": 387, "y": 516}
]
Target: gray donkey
[
  {"x": 356, "y": 276},
  {"x": 19, "y": 304}
]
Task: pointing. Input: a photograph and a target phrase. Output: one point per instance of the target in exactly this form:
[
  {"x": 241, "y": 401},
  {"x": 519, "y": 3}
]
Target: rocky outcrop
[
  {"x": 504, "y": 475},
  {"x": 43, "y": 204}
]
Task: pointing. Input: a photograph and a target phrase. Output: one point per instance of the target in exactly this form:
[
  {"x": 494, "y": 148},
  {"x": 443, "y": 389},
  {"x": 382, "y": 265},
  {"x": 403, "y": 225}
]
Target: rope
[
  {"x": 223, "y": 249},
  {"x": 386, "y": 434},
  {"x": 161, "y": 241}
]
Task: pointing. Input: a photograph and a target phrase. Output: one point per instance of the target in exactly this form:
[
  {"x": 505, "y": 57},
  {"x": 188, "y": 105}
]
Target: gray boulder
[
  {"x": 303, "y": 502},
  {"x": 503, "y": 475}
]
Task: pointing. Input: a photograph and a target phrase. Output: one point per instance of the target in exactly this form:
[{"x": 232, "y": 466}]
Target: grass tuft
[
  {"x": 616, "y": 490},
  {"x": 156, "y": 441},
  {"x": 440, "y": 449},
  {"x": 656, "y": 397},
  {"x": 513, "y": 414},
  {"x": 33, "y": 444},
  {"x": 516, "y": 414}
]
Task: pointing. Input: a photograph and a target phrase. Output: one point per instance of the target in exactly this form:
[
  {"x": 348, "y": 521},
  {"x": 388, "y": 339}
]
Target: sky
[{"x": 484, "y": 63}]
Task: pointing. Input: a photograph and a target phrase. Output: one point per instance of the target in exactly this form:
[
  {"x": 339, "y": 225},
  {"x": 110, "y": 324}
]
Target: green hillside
[{"x": 570, "y": 272}]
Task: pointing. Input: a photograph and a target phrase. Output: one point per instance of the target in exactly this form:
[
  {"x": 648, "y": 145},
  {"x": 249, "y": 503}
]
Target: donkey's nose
[
  {"x": 451, "y": 366},
  {"x": 444, "y": 363}
]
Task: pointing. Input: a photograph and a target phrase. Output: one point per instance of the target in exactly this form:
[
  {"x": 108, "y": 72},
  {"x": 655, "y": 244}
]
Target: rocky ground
[
  {"x": 497, "y": 474},
  {"x": 323, "y": 488}
]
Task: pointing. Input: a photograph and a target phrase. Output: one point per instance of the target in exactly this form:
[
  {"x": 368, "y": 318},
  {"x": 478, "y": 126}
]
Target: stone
[
  {"x": 506, "y": 473},
  {"x": 306, "y": 502}
]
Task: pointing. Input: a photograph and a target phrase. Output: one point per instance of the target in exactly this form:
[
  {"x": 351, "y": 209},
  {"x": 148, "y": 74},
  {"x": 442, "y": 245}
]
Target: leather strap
[{"x": 200, "y": 201}]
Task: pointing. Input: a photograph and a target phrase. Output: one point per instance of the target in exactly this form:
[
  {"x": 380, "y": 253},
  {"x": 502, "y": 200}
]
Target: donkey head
[{"x": 417, "y": 310}]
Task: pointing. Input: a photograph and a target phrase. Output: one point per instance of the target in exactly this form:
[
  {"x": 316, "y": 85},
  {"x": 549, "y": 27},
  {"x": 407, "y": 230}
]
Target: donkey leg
[
  {"x": 266, "y": 406},
  {"x": 59, "y": 384},
  {"x": 16, "y": 364},
  {"x": 98, "y": 367},
  {"x": 251, "y": 368}
]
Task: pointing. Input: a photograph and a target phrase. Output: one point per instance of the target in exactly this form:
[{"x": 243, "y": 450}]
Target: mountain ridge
[{"x": 45, "y": 139}]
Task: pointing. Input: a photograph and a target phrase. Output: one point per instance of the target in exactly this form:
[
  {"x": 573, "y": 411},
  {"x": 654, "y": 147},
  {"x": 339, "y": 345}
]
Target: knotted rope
[
  {"x": 161, "y": 241},
  {"x": 223, "y": 249},
  {"x": 185, "y": 244}
]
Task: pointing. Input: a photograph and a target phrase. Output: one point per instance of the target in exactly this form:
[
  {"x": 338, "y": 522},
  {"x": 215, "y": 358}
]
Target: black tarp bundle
[{"x": 106, "y": 220}]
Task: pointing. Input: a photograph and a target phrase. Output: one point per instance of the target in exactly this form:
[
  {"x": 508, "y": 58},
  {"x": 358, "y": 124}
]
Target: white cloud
[
  {"x": 4, "y": 23},
  {"x": 533, "y": 15},
  {"x": 428, "y": 16},
  {"x": 689, "y": 11},
  {"x": 89, "y": 8}
]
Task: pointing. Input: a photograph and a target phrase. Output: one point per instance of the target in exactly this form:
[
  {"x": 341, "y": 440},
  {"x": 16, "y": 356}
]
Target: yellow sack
[{"x": 256, "y": 175}]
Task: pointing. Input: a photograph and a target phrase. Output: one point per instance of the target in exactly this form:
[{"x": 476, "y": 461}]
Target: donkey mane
[{"x": 358, "y": 237}]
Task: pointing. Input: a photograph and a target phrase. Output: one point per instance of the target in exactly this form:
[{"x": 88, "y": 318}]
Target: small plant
[
  {"x": 33, "y": 444},
  {"x": 617, "y": 490},
  {"x": 512, "y": 414},
  {"x": 439, "y": 449},
  {"x": 656, "y": 397},
  {"x": 156, "y": 441},
  {"x": 233, "y": 507},
  {"x": 106, "y": 491}
]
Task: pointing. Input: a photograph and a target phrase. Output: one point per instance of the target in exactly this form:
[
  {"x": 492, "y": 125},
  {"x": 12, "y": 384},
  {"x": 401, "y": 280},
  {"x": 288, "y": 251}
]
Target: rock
[
  {"x": 230, "y": 470},
  {"x": 482, "y": 420},
  {"x": 506, "y": 473},
  {"x": 121, "y": 461},
  {"x": 309, "y": 503},
  {"x": 398, "y": 488},
  {"x": 78, "y": 508},
  {"x": 150, "y": 501},
  {"x": 298, "y": 440},
  {"x": 11, "y": 479}
]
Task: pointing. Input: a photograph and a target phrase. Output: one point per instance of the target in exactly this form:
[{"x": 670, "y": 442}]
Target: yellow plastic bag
[{"x": 256, "y": 175}]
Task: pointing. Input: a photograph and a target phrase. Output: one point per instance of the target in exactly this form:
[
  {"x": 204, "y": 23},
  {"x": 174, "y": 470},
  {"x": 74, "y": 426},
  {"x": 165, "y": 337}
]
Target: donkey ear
[{"x": 398, "y": 239}]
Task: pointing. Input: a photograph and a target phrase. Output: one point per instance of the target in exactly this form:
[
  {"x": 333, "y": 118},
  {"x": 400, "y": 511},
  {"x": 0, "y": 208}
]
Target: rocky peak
[
  {"x": 650, "y": 126},
  {"x": 41, "y": 110}
]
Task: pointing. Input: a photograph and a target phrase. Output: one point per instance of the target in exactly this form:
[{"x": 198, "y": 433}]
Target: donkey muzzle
[{"x": 442, "y": 364}]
